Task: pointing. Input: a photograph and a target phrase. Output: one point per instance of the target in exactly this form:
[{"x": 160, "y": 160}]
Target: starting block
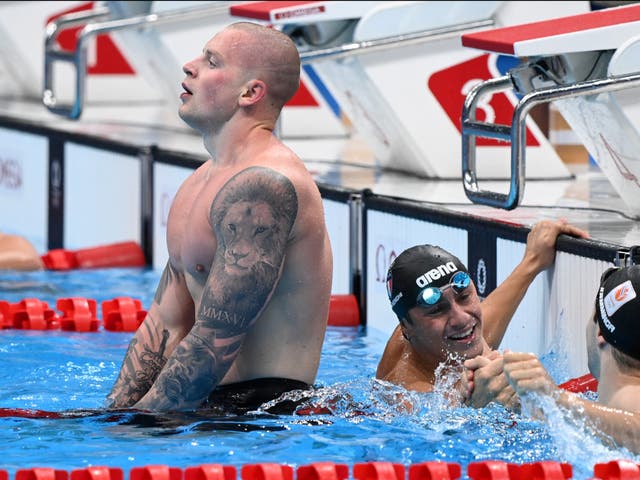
[{"x": 582, "y": 63}]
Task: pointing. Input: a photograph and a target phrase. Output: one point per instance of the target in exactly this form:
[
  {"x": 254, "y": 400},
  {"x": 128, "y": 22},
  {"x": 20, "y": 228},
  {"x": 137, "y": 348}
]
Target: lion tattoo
[{"x": 252, "y": 217}]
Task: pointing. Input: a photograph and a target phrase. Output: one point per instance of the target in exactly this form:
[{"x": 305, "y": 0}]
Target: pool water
[{"x": 72, "y": 372}]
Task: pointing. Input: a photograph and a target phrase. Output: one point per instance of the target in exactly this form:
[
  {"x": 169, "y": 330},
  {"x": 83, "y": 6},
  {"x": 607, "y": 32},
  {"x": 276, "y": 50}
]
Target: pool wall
[{"x": 78, "y": 189}]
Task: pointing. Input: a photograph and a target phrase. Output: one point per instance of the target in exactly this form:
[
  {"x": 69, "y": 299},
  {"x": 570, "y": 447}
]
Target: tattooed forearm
[
  {"x": 187, "y": 377},
  {"x": 168, "y": 276},
  {"x": 151, "y": 362},
  {"x": 141, "y": 367}
]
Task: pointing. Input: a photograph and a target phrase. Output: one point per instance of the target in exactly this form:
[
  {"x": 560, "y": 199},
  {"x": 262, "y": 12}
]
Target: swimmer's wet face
[{"x": 450, "y": 324}]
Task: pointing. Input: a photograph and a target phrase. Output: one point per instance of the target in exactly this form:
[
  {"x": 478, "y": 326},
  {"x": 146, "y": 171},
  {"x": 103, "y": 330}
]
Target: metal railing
[
  {"x": 516, "y": 132},
  {"x": 385, "y": 43},
  {"x": 78, "y": 57}
]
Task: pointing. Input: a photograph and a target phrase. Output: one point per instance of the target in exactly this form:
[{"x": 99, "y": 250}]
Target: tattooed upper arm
[
  {"x": 252, "y": 217},
  {"x": 168, "y": 275}
]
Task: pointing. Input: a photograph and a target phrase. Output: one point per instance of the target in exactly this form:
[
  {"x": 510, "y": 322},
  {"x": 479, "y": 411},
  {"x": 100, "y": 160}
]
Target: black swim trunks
[{"x": 242, "y": 397}]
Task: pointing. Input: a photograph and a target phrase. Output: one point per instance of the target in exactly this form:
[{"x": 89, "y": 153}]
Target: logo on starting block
[{"x": 451, "y": 86}]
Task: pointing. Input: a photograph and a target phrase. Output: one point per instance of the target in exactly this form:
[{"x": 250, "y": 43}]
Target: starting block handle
[
  {"x": 517, "y": 131},
  {"x": 472, "y": 129},
  {"x": 77, "y": 59}
]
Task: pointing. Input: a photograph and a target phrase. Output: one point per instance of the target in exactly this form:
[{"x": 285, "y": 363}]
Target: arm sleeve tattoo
[
  {"x": 252, "y": 217},
  {"x": 145, "y": 356}
]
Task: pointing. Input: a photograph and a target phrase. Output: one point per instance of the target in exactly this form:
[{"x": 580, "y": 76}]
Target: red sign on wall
[{"x": 451, "y": 85}]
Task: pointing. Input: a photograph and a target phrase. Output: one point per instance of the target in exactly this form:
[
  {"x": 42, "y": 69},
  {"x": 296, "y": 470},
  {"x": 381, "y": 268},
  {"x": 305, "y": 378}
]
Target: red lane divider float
[
  {"x": 97, "y": 473},
  {"x": 617, "y": 470},
  {"x": 41, "y": 473},
  {"x": 585, "y": 383},
  {"x": 435, "y": 471},
  {"x": 323, "y": 471},
  {"x": 378, "y": 471},
  {"x": 78, "y": 314},
  {"x": 121, "y": 314},
  {"x": 155, "y": 472},
  {"x": 122, "y": 254},
  {"x": 210, "y": 472},
  {"x": 344, "y": 311},
  {"x": 31, "y": 314},
  {"x": 485, "y": 470},
  {"x": 266, "y": 471}
]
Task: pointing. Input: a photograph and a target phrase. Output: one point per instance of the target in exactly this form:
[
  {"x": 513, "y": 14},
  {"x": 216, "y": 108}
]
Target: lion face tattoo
[
  {"x": 252, "y": 217},
  {"x": 250, "y": 235}
]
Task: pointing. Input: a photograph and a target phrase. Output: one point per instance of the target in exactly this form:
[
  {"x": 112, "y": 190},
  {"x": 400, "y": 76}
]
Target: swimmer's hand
[
  {"x": 486, "y": 382},
  {"x": 525, "y": 374},
  {"x": 529, "y": 378},
  {"x": 540, "y": 251}
]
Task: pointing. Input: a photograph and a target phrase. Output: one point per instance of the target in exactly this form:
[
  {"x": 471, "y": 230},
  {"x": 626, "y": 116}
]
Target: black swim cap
[
  {"x": 416, "y": 268},
  {"x": 618, "y": 309}
]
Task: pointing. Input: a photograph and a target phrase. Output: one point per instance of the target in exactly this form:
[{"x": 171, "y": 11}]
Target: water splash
[{"x": 577, "y": 440}]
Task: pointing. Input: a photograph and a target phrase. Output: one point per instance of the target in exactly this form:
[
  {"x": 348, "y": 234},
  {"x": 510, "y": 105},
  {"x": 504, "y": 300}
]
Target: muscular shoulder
[
  {"x": 404, "y": 376},
  {"x": 258, "y": 189},
  {"x": 392, "y": 354}
]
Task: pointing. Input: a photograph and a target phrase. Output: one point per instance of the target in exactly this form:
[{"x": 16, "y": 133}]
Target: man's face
[
  {"x": 214, "y": 81},
  {"x": 451, "y": 326}
]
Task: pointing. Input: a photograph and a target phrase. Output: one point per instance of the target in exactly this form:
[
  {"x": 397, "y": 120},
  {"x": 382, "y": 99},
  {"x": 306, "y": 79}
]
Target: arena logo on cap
[
  {"x": 396, "y": 299},
  {"x": 435, "y": 273},
  {"x": 619, "y": 296}
]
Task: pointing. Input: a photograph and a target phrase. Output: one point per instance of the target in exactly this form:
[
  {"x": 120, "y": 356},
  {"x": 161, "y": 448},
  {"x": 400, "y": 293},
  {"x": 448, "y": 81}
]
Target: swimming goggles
[{"x": 429, "y": 296}]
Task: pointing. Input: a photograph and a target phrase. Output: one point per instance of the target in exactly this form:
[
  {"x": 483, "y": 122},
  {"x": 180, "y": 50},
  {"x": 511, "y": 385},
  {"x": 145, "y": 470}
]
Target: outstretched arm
[
  {"x": 526, "y": 374},
  {"x": 501, "y": 304},
  {"x": 252, "y": 217}
]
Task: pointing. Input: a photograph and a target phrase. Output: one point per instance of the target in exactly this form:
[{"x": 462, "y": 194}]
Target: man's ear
[
  {"x": 600, "y": 341},
  {"x": 252, "y": 92},
  {"x": 403, "y": 330}
]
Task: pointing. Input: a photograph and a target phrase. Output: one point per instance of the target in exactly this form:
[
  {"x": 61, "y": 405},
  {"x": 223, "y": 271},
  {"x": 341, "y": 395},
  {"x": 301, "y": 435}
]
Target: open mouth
[
  {"x": 465, "y": 335},
  {"x": 184, "y": 87}
]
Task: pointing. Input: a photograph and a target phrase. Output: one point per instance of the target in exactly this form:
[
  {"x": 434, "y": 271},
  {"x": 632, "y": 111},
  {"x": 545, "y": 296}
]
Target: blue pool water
[{"x": 67, "y": 371}]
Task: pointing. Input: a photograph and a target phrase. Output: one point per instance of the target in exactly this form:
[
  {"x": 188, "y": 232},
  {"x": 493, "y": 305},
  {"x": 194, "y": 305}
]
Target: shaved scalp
[{"x": 274, "y": 58}]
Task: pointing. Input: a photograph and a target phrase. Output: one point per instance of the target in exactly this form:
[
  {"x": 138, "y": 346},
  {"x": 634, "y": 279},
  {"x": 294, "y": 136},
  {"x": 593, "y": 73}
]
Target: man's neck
[
  {"x": 619, "y": 388},
  {"x": 229, "y": 144}
]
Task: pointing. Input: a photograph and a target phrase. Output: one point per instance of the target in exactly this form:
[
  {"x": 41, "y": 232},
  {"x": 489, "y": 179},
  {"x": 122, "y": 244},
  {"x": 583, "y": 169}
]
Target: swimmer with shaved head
[{"x": 240, "y": 313}]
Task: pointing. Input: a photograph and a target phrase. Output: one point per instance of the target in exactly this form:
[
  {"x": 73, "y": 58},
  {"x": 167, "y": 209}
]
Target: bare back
[{"x": 17, "y": 253}]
